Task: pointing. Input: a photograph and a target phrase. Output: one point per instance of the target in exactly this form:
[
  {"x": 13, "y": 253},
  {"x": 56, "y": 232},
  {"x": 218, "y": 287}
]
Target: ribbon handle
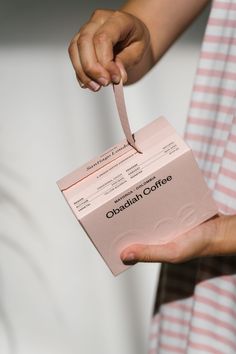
[{"x": 120, "y": 104}]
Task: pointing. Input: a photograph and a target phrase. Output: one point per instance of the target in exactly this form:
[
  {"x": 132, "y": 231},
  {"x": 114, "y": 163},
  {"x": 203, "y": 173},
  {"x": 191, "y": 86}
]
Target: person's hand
[
  {"x": 216, "y": 237},
  {"x": 108, "y": 45}
]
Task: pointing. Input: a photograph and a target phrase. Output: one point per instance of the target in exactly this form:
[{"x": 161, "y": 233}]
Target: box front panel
[{"x": 169, "y": 202}]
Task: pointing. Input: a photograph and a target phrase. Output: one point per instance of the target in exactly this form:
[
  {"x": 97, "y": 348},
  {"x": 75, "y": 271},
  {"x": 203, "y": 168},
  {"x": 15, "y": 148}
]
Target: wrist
[{"x": 222, "y": 238}]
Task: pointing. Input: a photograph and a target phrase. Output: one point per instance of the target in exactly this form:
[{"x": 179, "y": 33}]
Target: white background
[{"x": 56, "y": 294}]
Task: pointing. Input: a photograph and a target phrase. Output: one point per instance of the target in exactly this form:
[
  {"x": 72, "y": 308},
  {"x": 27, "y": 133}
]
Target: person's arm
[
  {"x": 165, "y": 20},
  {"x": 128, "y": 42}
]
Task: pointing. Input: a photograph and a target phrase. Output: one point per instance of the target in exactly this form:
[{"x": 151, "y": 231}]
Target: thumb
[{"x": 149, "y": 253}]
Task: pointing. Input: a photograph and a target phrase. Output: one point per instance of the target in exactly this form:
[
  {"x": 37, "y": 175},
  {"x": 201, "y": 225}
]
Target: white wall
[{"x": 56, "y": 294}]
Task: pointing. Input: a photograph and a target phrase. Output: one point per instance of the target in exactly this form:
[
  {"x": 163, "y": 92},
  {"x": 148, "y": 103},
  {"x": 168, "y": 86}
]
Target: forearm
[{"x": 165, "y": 20}]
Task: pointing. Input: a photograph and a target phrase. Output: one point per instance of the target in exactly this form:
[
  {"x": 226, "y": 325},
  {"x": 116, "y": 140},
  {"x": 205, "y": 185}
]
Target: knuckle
[
  {"x": 82, "y": 40},
  {"x": 101, "y": 37},
  {"x": 97, "y": 13},
  {"x": 69, "y": 49},
  {"x": 101, "y": 14},
  {"x": 121, "y": 16},
  {"x": 83, "y": 28},
  {"x": 118, "y": 13},
  {"x": 88, "y": 69},
  {"x": 71, "y": 45}
]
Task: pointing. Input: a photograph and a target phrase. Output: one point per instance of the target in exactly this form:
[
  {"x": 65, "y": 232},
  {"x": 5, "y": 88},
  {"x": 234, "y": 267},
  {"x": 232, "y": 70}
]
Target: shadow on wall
[{"x": 52, "y": 22}]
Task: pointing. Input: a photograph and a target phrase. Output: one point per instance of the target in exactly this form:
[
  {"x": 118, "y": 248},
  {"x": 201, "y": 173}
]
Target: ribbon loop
[{"x": 120, "y": 103}]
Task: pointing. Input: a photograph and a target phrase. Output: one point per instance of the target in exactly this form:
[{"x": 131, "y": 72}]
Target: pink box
[{"x": 124, "y": 197}]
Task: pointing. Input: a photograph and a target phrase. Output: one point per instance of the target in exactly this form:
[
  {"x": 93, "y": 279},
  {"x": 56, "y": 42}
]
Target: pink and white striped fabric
[{"x": 195, "y": 310}]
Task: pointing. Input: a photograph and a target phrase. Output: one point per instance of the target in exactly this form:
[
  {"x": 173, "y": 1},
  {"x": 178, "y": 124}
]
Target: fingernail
[
  {"x": 103, "y": 81},
  {"x": 115, "y": 79},
  {"x": 129, "y": 258},
  {"x": 93, "y": 86}
]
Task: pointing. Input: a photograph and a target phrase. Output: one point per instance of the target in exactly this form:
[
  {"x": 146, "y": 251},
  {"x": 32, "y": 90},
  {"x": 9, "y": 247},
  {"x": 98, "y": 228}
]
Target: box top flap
[
  {"x": 94, "y": 165},
  {"x": 156, "y": 131}
]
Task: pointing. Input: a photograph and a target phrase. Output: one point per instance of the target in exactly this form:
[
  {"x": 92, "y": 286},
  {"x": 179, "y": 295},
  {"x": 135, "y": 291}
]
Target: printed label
[{"x": 120, "y": 175}]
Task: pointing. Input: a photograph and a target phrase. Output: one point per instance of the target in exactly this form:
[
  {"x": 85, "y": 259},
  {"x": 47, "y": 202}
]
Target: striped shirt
[{"x": 195, "y": 309}]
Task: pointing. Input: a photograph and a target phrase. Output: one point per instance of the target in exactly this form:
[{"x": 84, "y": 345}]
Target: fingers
[
  {"x": 103, "y": 44},
  {"x": 106, "y": 46},
  {"x": 89, "y": 71},
  {"x": 83, "y": 57},
  {"x": 150, "y": 253}
]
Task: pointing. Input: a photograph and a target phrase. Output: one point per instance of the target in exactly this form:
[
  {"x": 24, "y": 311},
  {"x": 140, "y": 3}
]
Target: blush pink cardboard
[{"x": 124, "y": 197}]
